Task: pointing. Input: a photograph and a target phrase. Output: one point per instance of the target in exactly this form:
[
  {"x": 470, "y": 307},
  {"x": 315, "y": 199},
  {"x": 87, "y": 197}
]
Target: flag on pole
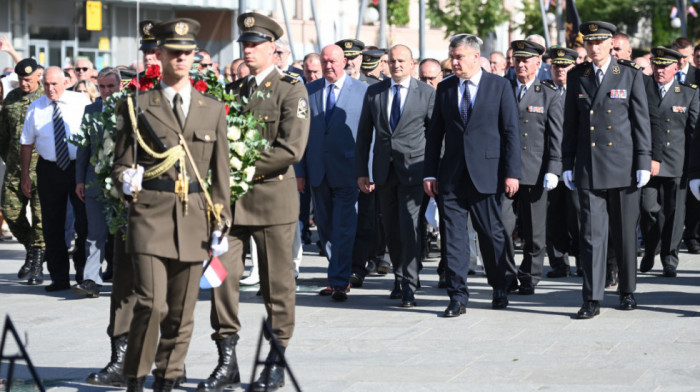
[
  {"x": 573, "y": 21},
  {"x": 214, "y": 274}
]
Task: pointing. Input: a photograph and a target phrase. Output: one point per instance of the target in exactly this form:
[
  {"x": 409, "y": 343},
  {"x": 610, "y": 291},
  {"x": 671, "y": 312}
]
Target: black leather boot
[
  {"x": 112, "y": 374},
  {"x": 182, "y": 379},
  {"x": 225, "y": 374},
  {"x": 272, "y": 376},
  {"x": 135, "y": 384},
  {"x": 36, "y": 274},
  {"x": 163, "y": 384},
  {"x": 26, "y": 268}
]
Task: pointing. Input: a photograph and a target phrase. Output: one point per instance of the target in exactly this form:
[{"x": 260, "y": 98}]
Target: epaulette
[
  {"x": 289, "y": 78},
  {"x": 691, "y": 85},
  {"x": 373, "y": 77},
  {"x": 629, "y": 64},
  {"x": 549, "y": 84}
]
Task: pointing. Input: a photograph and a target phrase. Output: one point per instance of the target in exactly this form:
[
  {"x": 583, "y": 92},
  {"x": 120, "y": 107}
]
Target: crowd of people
[{"x": 578, "y": 153}]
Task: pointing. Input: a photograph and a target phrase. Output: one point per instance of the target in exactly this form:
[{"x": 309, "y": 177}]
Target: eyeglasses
[
  {"x": 206, "y": 65},
  {"x": 279, "y": 52},
  {"x": 81, "y": 69}
]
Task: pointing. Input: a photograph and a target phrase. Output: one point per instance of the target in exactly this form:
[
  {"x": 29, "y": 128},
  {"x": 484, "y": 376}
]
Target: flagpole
[
  {"x": 683, "y": 15},
  {"x": 544, "y": 23}
]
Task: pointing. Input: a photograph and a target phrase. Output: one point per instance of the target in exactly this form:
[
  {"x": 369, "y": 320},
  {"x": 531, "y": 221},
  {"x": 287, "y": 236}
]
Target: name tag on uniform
[
  {"x": 622, "y": 94},
  {"x": 535, "y": 109},
  {"x": 680, "y": 109},
  {"x": 583, "y": 96}
]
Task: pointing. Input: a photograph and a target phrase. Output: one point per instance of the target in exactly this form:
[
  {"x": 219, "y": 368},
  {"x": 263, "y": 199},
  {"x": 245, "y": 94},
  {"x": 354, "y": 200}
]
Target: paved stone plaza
[{"x": 370, "y": 344}]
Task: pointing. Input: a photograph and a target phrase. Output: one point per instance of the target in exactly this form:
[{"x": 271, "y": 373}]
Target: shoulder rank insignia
[
  {"x": 549, "y": 84},
  {"x": 289, "y": 79},
  {"x": 686, "y": 84},
  {"x": 538, "y": 89},
  {"x": 302, "y": 108},
  {"x": 616, "y": 70},
  {"x": 629, "y": 64}
]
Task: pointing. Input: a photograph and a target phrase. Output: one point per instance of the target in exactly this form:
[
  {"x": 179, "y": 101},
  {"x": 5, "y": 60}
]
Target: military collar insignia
[
  {"x": 677, "y": 89},
  {"x": 588, "y": 72},
  {"x": 538, "y": 89},
  {"x": 616, "y": 70},
  {"x": 267, "y": 84}
]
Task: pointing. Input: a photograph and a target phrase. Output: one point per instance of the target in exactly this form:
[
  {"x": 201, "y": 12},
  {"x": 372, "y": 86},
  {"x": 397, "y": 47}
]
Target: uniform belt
[{"x": 157, "y": 184}]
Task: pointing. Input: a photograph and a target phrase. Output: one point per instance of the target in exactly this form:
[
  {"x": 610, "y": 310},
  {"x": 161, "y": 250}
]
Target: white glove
[
  {"x": 131, "y": 180},
  {"x": 568, "y": 177},
  {"x": 643, "y": 177},
  {"x": 219, "y": 244},
  {"x": 550, "y": 181},
  {"x": 695, "y": 188}
]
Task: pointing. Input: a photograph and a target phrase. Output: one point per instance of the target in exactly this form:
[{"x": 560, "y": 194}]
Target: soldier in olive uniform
[
  {"x": 606, "y": 157},
  {"x": 171, "y": 216},
  {"x": 14, "y": 201},
  {"x": 540, "y": 116},
  {"x": 663, "y": 199},
  {"x": 268, "y": 212}
]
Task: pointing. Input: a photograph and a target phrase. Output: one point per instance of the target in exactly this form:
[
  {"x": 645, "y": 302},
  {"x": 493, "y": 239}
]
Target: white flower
[
  {"x": 236, "y": 163},
  {"x": 249, "y": 173},
  {"x": 244, "y": 186},
  {"x": 233, "y": 133},
  {"x": 101, "y": 154},
  {"x": 239, "y": 148},
  {"x": 114, "y": 193},
  {"x": 251, "y": 134},
  {"x": 108, "y": 145},
  {"x": 98, "y": 167}
]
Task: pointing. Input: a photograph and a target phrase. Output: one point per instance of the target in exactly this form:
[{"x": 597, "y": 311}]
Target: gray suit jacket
[
  {"x": 84, "y": 170},
  {"x": 404, "y": 149}
]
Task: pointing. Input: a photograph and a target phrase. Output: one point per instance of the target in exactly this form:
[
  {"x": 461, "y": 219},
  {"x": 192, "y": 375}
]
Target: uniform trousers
[
  {"x": 166, "y": 292},
  {"x": 663, "y": 209},
  {"x": 616, "y": 210},
  {"x": 277, "y": 285},
  {"x": 55, "y": 187},
  {"x": 532, "y": 211},
  {"x": 122, "y": 298},
  {"x": 14, "y": 204},
  {"x": 562, "y": 226}
]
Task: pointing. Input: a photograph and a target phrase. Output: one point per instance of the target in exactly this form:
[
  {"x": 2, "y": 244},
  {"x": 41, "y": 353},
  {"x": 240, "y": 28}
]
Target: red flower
[
  {"x": 146, "y": 84},
  {"x": 201, "y": 86},
  {"x": 132, "y": 85},
  {"x": 191, "y": 81},
  {"x": 153, "y": 72},
  {"x": 227, "y": 109}
]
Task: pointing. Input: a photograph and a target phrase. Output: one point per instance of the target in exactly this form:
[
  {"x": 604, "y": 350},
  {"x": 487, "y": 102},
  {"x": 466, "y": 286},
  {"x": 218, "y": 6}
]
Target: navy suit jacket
[
  {"x": 84, "y": 170},
  {"x": 330, "y": 151},
  {"x": 489, "y": 144}
]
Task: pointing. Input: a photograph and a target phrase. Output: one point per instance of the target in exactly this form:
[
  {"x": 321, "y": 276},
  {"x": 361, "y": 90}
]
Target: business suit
[
  {"x": 328, "y": 166},
  {"x": 166, "y": 239},
  {"x": 663, "y": 199},
  {"x": 541, "y": 117},
  {"x": 478, "y": 156},
  {"x": 397, "y": 168},
  {"x": 607, "y": 140}
]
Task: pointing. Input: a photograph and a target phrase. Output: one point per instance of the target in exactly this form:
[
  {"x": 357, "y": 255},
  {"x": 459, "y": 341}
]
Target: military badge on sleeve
[{"x": 302, "y": 108}]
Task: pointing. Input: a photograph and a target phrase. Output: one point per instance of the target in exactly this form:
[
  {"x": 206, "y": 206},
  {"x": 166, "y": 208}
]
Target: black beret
[{"x": 26, "y": 67}]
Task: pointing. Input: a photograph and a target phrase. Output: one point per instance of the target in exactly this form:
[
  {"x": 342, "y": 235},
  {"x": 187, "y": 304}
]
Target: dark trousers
[
  {"x": 692, "y": 219},
  {"x": 305, "y": 211},
  {"x": 122, "y": 299},
  {"x": 364, "y": 233},
  {"x": 532, "y": 211},
  {"x": 401, "y": 206},
  {"x": 562, "y": 226},
  {"x": 510, "y": 221},
  {"x": 616, "y": 210},
  {"x": 663, "y": 209},
  {"x": 55, "y": 187},
  {"x": 485, "y": 210}
]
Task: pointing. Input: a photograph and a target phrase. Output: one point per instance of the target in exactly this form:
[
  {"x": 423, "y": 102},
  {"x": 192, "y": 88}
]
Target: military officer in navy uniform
[
  {"x": 607, "y": 158},
  {"x": 663, "y": 199},
  {"x": 540, "y": 116}
]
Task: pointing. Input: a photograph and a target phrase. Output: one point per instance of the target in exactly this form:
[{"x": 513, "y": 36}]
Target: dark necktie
[
  {"x": 330, "y": 102},
  {"x": 177, "y": 108},
  {"x": 523, "y": 90},
  {"x": 561, "y": 91},
  {"x": 465, "y": 109},
  {"x": 599, "y": 77},
  {"x": 59, "y": 134},
  {"x": 395, "y": 108},
  {"x": 252, "y": 86}
]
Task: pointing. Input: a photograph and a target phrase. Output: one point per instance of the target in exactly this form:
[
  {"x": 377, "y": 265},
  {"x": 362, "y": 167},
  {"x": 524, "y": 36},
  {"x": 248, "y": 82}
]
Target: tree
[
  {"x": 478, "y": 17},
  {"x": 396, "y": 11}
]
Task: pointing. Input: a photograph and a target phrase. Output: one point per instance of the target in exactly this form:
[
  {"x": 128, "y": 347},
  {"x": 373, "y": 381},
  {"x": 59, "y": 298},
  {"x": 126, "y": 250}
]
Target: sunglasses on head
[{"x": 81, "y": 69}]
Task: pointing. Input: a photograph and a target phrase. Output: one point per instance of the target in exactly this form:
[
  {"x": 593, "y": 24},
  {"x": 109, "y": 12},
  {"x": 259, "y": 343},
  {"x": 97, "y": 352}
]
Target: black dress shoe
[
  {"x": 526, "y": 289},
  {"x": 454, "y": 309},
  {"x": 588, "y": 310},
  {"x": 500, "y": 300},
  {"x": 670, "y": 271},
  {"x": 564, "y": 272},
  {"x": 627, "y": 302},
  {"x": 383, "y": 267},
  {"x": 135, "y": 384},
  {"x": 339, "y": 293},
  {"x": 408, "y": 299},
  {"x": 356, "y": 279},
  {"x": 163, "y": 384},
  {"x": 88, "y": 288},
  {"x": 610, "y": 279},
  {"x": 396, "y": 293},
  {"x": 693, "y": 246},
  {"x": 512, "y": 287},
  {"x": 442, "y": 281},
  {"x": 647, "y": 262},
  {"x": 57, "y": 286}
]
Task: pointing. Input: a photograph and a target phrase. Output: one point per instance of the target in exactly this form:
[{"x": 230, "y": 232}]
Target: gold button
[
  {"x": 591, "y": 112},
  {"x": 668, "y": 131},
  {"x": 280, "y": 177},
  {"x": 526, "y": 121},
  {"x": 592, "y": 144},
  {"x": 592, "y": 128},
  {"x": 668, "y": 120},
  {"x": 610, "y": 144},
  {"x": 524, "y": 148},
  {"x": 265, "y": 118},
  {"x": 525, "y": 134},
  {"x": 609, "y": 126},
  {"x": 207, "y": 138},
  {"x": 609, "y": 111},
  {"x": 668, "y": 143}
]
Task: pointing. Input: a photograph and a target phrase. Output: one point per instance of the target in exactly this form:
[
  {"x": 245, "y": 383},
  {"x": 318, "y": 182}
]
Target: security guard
[
  {"x": 14, "y": 202},
  {"x": 663, "y": 199},
  {"x": 168, "y": 140},
  {"x": 540, "y": 113},
  {"x": 606, "y": 157},
  {"x": 268, "y": 212}
]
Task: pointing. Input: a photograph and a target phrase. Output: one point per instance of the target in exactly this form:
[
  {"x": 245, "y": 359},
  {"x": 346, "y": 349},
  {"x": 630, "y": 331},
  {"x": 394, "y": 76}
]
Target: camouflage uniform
[{"x": 13, "y": 200}]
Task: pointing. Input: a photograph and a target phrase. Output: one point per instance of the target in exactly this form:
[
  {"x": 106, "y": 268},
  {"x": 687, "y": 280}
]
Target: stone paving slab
[{"x": 370, "y": 344}]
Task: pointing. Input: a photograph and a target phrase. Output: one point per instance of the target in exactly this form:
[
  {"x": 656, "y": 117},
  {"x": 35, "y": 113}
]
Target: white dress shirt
[
  {"x": 472, "y": 84},
  {"x": 404, "y": 93},
  {"x": 527, "y": 85},
  {"x": 603, "y": 68},
  {"x": 38, "y": 124},
  {"x": 185, "y": 93},
  {"x": 338, "y": 86}
]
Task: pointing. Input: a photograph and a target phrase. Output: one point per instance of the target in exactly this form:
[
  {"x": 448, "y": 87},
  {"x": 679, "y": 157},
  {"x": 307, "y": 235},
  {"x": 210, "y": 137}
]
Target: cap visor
[{"x": 253, "y": 37}]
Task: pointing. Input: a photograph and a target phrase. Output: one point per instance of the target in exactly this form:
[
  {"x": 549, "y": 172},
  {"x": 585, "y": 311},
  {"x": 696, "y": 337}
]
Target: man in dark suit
[
  {"x": 329, "y": 162},
  {"x": 399, "y": 109},
  {"x": 663, "y": 199},
  {"x": 541, "y": 117},
  {"x": 607, "y": 155},
  {"x": 475, "y": 115}
]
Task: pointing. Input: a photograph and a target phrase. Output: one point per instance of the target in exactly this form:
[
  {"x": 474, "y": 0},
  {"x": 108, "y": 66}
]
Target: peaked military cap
[
  {"x": 523, "y": 48},
  {"x": 258, "y": 28},
  {"x": 351, "y": 47},
  {"x": 177, "y": 34},
  {"x": 148, "y": 41},
  {"x": 664, "y": 56},
  {"x": 562, "y": 56},
  {"x": 370, "y": 59},
  {"x": 26, "y": 67},
  {"x": 594, "y": 31}
]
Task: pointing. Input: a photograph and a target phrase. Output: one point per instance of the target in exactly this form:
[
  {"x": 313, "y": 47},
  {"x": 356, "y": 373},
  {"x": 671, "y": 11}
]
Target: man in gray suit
[{"x": 400, "y": 110}]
